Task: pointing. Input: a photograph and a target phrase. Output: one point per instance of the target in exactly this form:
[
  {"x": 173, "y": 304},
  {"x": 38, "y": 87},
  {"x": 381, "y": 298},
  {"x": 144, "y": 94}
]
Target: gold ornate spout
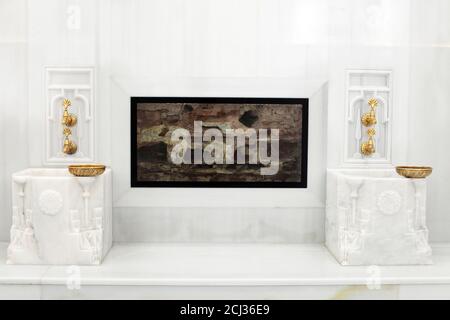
[
  {"x": 368, "y": 147},
  {"x": 369, "y": 119},
  {"x": 69, "y": 147},
  {"x": 69, "y": 119}
]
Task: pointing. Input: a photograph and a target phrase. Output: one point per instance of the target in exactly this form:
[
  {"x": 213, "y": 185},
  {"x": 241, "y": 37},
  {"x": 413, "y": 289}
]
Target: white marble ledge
[{"x": 226, "y": 265}]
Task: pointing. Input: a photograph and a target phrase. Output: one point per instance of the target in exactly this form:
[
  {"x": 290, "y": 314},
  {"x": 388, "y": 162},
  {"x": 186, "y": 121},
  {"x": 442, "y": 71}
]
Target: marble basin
[
  {"x": 59, "y": 218},
  {"x": 376, "y": 217}
]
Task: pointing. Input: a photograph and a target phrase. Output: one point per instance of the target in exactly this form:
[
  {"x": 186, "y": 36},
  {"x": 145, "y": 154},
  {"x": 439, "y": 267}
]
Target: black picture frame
[{"x": 135, "y": 183}]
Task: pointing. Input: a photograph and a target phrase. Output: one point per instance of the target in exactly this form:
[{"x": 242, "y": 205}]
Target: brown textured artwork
[{"x": 154, "y": 120}]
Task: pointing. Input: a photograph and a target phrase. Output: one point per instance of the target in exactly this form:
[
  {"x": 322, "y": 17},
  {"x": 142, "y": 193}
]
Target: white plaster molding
[
  {"x": 361, "y": 86},
  {"x": 78, "y": 85}
]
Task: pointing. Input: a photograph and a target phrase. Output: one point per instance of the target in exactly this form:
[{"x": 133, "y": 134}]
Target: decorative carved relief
[
  {"x": 22, "y": 237},
  {"x": 50, "y": 202},
  {"x": 355, "y": 185},
  {"x": 74, "y": 223},
  {"x": 422, "y": 242},
  {"x": 389, "y": 202},
  {"x": 98, "y": 217},
  {"x": 86, "y": 184},
  {"x": 357, "y": 219},
  {"x": 91, "y": 240},
  {"x": 354, "y": 242}
]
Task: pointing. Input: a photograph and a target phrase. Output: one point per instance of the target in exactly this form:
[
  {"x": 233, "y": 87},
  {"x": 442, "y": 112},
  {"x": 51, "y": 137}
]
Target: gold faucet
[
  {"x": 69, "y": 147},
  {"x": 68, "y": 120},
  {"x": 369, "y": 119},
  {"x": 368, "y": 147}
]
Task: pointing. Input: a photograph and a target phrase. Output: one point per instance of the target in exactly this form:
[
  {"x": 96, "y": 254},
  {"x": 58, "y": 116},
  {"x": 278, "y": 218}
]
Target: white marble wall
[
  {"x": 429, "y": 102},
  {"x": 13, "y": 102},
  {"x": 231, "y": 47}
]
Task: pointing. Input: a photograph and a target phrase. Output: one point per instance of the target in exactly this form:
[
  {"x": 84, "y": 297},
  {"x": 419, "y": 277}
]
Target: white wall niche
[
  {"x": 363, "y": 85},
  {"x": 77, "y": 85},
  {"x": 226, "y": 214},
  {"x": 125, "y": 196}
]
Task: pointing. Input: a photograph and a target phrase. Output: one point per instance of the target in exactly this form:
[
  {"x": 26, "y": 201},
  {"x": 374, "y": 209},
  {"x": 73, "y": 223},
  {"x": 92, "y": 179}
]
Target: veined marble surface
[{"x": 231, "y": 271}]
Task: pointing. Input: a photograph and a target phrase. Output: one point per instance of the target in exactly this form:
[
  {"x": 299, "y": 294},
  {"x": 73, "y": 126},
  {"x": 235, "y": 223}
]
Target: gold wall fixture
[
  {"x": 369, "y": 119},
  {"x": 69, "y": 147},
  {"x": 68, "y": 120},
  {"x": 368, "y": 147}
]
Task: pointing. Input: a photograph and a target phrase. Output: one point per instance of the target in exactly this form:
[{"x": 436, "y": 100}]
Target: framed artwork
[{"x": 219, "y": 142}]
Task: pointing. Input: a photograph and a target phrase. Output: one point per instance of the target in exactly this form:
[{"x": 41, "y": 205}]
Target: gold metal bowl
[
  {"x": 413, "y": 172},
  {"x": 86, "y": 170}
]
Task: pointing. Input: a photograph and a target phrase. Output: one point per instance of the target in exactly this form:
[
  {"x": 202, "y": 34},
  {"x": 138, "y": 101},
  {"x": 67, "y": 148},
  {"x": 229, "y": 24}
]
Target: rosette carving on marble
[
  {"x": 50, "y": 202},
  {"x": 389, "y": 202}
]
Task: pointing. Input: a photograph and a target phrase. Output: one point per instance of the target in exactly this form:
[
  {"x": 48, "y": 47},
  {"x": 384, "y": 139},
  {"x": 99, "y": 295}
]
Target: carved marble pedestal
[
  {"x": 60, "y": 219},
  {"x": 375, "y": 217}
]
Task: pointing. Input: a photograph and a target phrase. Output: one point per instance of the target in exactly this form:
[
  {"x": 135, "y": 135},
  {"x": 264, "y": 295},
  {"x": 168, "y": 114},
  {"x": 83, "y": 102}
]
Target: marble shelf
[{"x": 225, "y": 271}]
